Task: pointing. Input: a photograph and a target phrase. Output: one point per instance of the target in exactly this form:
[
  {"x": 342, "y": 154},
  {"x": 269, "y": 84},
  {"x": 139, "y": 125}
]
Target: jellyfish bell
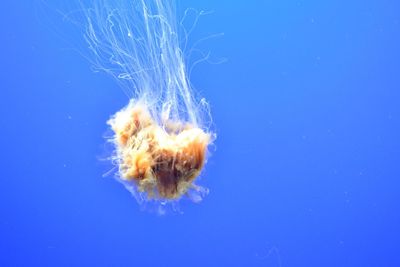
[
  {"x": 160, "y": 137},
  {"x": 161, "y": 160}
]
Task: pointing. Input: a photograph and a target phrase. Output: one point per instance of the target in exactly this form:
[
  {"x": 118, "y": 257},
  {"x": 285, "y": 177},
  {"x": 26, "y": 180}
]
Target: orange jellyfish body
[{"x": 162, "y": 161}]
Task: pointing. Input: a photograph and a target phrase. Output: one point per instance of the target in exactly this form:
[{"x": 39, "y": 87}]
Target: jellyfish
[{"x": 161, "y": 137}]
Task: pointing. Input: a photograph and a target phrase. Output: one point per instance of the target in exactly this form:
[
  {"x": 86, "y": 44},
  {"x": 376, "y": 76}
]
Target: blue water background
[{"x": 305, "y": 170}]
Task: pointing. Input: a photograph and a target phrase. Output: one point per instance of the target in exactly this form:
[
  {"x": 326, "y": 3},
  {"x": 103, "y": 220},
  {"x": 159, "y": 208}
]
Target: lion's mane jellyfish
[{"x": 161, "y": 136}]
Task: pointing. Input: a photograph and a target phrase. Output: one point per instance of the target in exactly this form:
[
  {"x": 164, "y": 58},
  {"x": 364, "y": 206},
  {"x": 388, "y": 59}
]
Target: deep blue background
[{"x": 306, "y": 167}]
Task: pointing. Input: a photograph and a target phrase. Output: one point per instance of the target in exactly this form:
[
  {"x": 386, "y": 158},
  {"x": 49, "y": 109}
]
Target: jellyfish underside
[{"x": 162, "y": 161}]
